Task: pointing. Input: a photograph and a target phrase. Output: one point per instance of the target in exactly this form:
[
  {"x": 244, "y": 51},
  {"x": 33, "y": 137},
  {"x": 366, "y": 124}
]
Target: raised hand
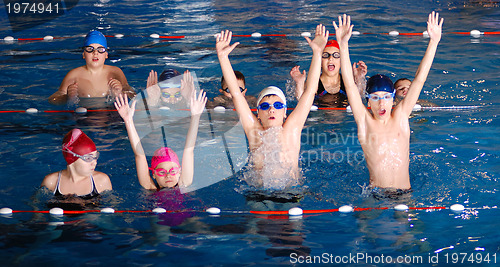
[
  {"x": 359, "y": 69},
  {"x": 434, "y": 26},
  {"x": 126, "y": 112},
  {"x": 223, "y": 43},
  {"x": 320, "y": 39},
  {"x": 297, "y": 76},
  {"x": 187, "y": 85},
  {"x": 152, "y": 78},
  {"x": 343, "y": 31},
  {"x": 198, "y": 103}
]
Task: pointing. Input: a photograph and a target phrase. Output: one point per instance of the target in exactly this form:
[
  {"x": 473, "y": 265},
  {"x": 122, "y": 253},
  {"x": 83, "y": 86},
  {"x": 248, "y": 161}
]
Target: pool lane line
[
  {"x": 474, "y": 33},
  {"x": 145, "y": 102},
  {"x": 229, "y": 159},
  {"x": 253, "y": 109},
  {"x": 276, "y": 212}
]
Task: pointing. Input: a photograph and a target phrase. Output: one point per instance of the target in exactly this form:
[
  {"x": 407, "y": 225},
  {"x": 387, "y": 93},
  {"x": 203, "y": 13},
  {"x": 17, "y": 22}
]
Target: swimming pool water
[{"x": 454, "y": 155}]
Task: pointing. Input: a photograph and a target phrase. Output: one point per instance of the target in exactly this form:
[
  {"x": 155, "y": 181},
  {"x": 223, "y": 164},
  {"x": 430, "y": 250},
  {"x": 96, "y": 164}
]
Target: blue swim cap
[
  {"x": 166, "y": 79},
  {"x": 95, "y": 37},
  {"x": 378, "y": 83}
]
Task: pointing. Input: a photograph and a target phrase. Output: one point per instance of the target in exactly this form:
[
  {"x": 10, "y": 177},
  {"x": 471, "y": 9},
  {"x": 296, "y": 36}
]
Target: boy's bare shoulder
[
  {"x": 78, "y": 71},
  {"x": 112, "y": 69}
]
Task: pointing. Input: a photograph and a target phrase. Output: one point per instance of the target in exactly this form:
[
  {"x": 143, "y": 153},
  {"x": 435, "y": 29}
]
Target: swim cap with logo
[
  {"x": 333, "y": 43},
  {"x": 77, "y": 142}
]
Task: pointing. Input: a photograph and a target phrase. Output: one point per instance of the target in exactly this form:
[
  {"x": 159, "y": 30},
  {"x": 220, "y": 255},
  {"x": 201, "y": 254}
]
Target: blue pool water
[{"x": 454, "y": 154}]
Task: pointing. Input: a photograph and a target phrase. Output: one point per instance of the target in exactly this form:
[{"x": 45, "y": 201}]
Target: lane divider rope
[
  {"x": 473, "y": 33},
  {"x": 295, "y": 211}
]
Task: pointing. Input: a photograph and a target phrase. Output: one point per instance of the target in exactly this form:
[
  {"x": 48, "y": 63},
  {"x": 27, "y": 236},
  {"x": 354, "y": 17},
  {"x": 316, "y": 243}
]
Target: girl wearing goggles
[
  {"x": 166, "y": 169},
  {"x": 79, "y": 179}
]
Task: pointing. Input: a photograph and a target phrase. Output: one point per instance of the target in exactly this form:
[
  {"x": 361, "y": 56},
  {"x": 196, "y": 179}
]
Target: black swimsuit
[
  {"x": 325, "y": 99},
  {"x": 90, "y": 195}
]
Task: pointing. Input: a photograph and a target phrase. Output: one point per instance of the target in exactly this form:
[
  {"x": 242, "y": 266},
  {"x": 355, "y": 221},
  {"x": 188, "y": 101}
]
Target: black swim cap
[
  {"x": 378, "y": 83},
  {"x": 168, "y": 74}
]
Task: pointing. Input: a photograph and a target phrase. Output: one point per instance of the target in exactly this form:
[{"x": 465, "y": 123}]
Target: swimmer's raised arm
[
  {"x": 141, "y": 163},
  {"x": 299, "y": 115},
  {"x": 224, "y": 48},
  {"x": 197, "y": 105},
  {"x": 343, "y": 33},
  {"x": 434, "y": 28}
]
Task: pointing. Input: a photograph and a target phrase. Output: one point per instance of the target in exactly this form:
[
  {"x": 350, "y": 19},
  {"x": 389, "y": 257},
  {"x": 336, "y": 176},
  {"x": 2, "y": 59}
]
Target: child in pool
[
  {"x": 165, "y": 165},
  {"x": 94, "y": 79},
  {"x": 168, "y": 88},
  {"x": 385, "y": 135},
  {"x": 331, "y": 89},
  {"x": 271, "y": 115},
  {"x": 226, "y": 100},
  {"x": 402, "y": 86},
  {"x": 80, "y": 178}
]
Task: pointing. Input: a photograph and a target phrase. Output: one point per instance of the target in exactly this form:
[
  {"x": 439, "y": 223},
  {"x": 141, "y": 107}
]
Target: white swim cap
[{"x": 271, "y": 90}]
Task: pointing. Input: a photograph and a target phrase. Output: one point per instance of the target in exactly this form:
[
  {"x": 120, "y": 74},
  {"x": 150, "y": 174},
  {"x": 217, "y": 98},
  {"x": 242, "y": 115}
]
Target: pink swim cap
[
  {"x": 77, "y": 142},
  {"x": 164, "y": 154},
  {"x": 333, "y": 43}
]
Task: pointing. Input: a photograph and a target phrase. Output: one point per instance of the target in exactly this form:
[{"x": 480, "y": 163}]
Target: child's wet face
[
  {"x": 85, "y": 168},
  {"x": 381, "y": 108},
  {"x": 330, "y": 65},
  {"x": 225, "y": 89},
  {"x": 271, "y": 117},
  {"x": 169, "y": 180},
  {"x": 171, "y": 95},
  {"x": 402, "y": 87},
  {"x": 95, "y": 58}
]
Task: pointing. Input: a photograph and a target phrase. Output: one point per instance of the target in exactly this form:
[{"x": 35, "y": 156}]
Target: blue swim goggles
[
  {"x": 375, "y": 97},
  {"x": 266, "y": 106}
]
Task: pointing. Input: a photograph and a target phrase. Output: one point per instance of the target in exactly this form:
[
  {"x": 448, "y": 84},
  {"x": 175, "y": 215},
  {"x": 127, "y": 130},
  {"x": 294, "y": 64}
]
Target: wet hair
[
  {"x": 402, "y": 79},
  {"x": 239, "y": 76}
]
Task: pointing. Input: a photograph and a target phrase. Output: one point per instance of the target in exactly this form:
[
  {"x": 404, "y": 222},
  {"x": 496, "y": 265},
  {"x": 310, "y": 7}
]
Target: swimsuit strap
[
  {"x": 56, "y": 191},
  {"x": 94, "y": 188},
  {"x": 92, "y": 193}
]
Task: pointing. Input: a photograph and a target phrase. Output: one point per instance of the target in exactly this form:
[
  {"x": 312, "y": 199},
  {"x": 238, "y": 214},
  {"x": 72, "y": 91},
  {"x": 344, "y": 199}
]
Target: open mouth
[
  {"x": 95, "y": 59},
  {"x": 272, "y": 118},
  {"x": 382, "y": 112},
  {"x": 331, "y": 67}
]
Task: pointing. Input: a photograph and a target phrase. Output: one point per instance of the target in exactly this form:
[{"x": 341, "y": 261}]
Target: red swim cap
[
  {"x": 333, "y": 43},
  {"x": 164, "y": 154},
  {"x": 77, "y": 142}
]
